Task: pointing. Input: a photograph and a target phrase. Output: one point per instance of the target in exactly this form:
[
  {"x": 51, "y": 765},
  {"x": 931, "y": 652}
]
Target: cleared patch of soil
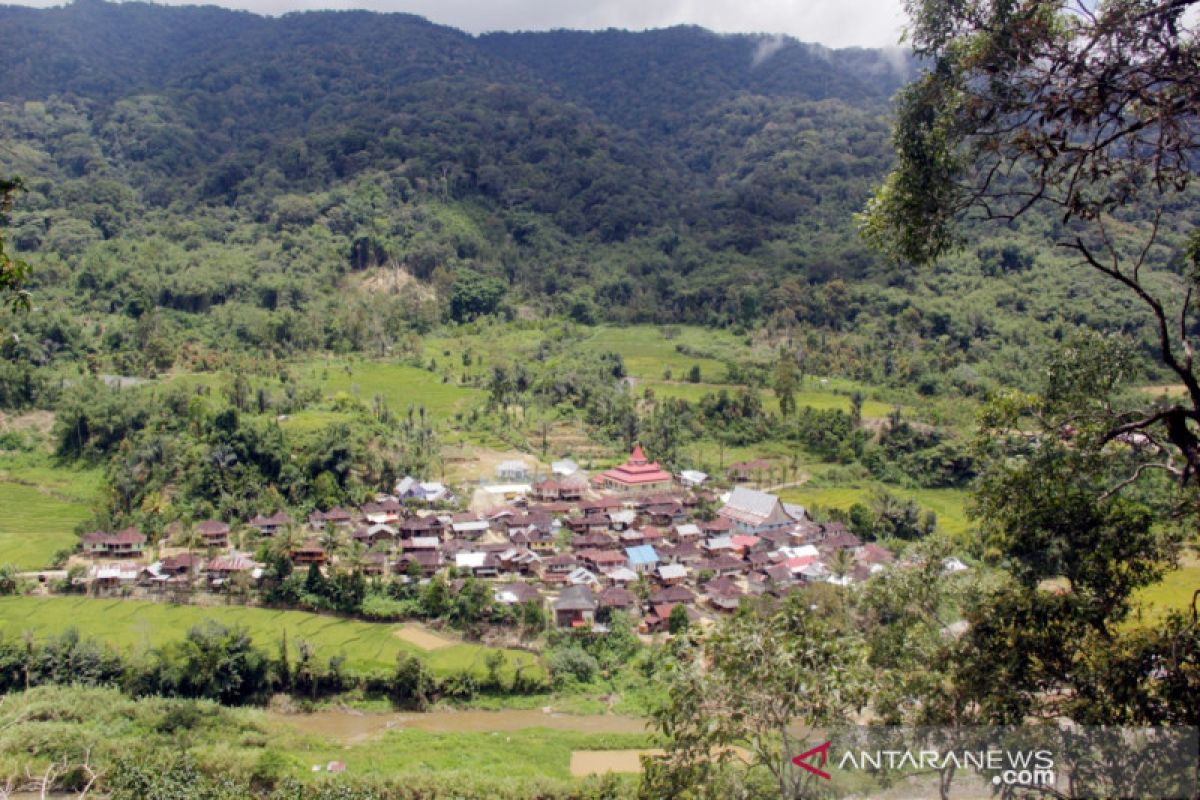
[
  {"x": 393, "y": 279},
  {"x": 469, "y": 464},
  {"x": 422, "y": 638},
  {"x": 38, "y": 421},
  {"x": 598, "y": 762}
]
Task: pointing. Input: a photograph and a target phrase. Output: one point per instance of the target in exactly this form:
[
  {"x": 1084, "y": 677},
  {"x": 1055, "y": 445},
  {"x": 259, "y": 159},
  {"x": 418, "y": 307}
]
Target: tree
[
  {"x": 474, "y": 295},
  {"x": 283, "y": 666},
  {"x": 787, "y": 380},
  {"x": 677, "y": 620},
  {"x": 841, "y": 564},
  {"x": 214, "y": 662},
  {"x": 13, "y": 272},
  {"x": 314, "y": 582},
  {"x": 533, "y": 617},
  {"x": 1050, "y": 512},
  {"x": 571, "y": 663},
  {"x": 1090, "y": 112},
  {"x": 906, "y": 614},
  {"x": 753, "y": 682},
  {"x": 412, "y": 685},
  {"x": 435, "y": 599},
  {"x": 470, "y": 604}
]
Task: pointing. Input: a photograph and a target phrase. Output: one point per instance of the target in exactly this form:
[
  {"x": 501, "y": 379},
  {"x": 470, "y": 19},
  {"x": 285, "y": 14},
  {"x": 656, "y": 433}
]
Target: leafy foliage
[{"x": 752, "y": 682}]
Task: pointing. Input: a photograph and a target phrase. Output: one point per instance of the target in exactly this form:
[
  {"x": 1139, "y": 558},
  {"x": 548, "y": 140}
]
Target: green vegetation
[
  {"x": 43, "y": 505},
  {"x": 243, "y": 752},
  {"x": 520, "y": 756},
  {"x": 1175, "y": 592},
  {"x": 136, "y": 626},
  {"x": 948, "y": 504},
  {"x": 280, "y": 269},
  {"x": 400, "y": 385},
  {"x": 35, "y": 525}
]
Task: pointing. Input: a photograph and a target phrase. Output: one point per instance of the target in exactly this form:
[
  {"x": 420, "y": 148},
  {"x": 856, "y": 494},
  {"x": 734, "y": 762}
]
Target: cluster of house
[{"x": 629, "y": 539}]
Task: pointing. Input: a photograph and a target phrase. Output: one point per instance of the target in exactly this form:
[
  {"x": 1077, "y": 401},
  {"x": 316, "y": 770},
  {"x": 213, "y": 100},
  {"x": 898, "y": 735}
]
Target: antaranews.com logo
[
  {"x": 1082, "y": 761},
  {"x": 1029, "y": 768}
]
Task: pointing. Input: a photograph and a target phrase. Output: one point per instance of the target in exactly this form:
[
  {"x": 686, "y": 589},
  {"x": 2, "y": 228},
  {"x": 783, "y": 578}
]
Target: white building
[{"x": 515, "y": 471}]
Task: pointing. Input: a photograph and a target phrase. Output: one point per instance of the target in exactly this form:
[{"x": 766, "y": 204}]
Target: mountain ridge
[{"x": 224, "y": 178}]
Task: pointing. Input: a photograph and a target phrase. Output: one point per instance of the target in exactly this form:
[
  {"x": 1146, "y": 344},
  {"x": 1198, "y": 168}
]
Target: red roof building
[{"x": 638, "y": 474}]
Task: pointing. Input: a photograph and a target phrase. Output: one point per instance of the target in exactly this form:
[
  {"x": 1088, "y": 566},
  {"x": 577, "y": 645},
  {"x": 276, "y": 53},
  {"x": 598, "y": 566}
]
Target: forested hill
[
  {"x": 559, "y": 139},
  {"x": 339, "y": 180},
  {"x": 657, "y": 81}
]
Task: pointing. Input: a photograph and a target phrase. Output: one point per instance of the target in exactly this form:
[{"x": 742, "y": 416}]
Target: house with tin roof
[{"x": 753, "y": 512}]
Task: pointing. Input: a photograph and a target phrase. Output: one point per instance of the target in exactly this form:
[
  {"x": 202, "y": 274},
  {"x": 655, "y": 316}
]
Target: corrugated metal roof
[{"x": 642, "y": 554}]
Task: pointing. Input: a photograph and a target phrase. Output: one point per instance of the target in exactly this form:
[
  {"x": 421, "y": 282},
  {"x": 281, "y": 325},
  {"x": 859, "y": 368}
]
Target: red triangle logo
[{"x": 821, "y": 750}]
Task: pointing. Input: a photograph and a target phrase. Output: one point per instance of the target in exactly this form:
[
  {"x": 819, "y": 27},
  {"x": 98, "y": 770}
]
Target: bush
[
  {"x": 572, "y": 664},
  {"x": 412, "y": 685},
  {"x": 213, "y": 662},
  {"x": 10, "y": 582},
  {"x": 382, "y": 607}
]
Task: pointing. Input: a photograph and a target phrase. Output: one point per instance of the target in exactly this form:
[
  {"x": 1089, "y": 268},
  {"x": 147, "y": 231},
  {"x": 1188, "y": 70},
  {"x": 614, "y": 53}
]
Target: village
[{"x": 633, "y": 539}]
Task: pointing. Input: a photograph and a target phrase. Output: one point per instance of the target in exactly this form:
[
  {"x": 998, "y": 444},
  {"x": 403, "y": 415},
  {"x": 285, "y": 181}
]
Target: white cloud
[{"x": 835, "y": 23}]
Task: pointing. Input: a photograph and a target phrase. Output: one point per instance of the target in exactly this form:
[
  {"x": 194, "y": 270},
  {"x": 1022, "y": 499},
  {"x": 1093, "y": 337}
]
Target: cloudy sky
[{"x": 836, "y": 23}]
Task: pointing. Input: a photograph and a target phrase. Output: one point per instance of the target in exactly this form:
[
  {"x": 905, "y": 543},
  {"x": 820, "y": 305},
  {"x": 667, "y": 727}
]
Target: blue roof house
[{"x": 642, "y": 558}]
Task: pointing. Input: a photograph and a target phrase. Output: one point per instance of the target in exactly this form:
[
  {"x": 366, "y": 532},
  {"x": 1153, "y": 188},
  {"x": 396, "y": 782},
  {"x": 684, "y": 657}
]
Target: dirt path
[{"x": 796, "y": 484}]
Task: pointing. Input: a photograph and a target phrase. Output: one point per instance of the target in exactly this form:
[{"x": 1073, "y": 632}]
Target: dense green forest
[{"x": 200, "y": 181}]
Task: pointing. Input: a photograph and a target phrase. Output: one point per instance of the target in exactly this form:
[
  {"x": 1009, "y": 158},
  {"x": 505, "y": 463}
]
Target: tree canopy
[{"x": 1087, "y": 112}]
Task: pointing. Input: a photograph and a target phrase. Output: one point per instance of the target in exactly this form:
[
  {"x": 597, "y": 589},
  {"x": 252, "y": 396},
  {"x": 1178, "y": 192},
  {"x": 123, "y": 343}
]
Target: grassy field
[
  {"x": 647, "y": 353},
  {"x": 42, "y": 503},
  {"x": 401, "y": 385},
  {"x": 528, "y": 754},
  {"x": 948, "y": 504},
  {"x": 136, "y": 626},
  {"x": 1173, "y": 592},
  {"x": 313, "y": 420}
]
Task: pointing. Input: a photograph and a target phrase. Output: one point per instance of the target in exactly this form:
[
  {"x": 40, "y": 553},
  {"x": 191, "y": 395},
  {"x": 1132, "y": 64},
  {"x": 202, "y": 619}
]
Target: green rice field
[
  {"x": 42, "y": 505},
  {"x": 134, "y": 626}
]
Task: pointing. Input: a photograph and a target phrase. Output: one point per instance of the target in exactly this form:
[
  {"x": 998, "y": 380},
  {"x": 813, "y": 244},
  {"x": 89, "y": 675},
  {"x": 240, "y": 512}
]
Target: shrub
[{"x": 572, "y": 664}]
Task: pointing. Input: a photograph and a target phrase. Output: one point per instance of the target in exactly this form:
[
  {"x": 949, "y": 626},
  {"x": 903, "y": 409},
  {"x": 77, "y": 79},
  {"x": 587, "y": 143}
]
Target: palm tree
[
  {"x": 330, "y": 539},
  {"x": 841, "y": 563},
  {"x": 355, "y": 554},
  {"x": 286, "y": 540}
]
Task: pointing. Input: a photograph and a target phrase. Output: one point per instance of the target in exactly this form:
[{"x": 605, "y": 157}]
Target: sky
[{"x": 834, "y": 23}]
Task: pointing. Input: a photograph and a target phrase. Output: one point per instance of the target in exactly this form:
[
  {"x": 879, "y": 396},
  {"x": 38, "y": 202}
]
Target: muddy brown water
[{"x": 352, "y": 727}]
